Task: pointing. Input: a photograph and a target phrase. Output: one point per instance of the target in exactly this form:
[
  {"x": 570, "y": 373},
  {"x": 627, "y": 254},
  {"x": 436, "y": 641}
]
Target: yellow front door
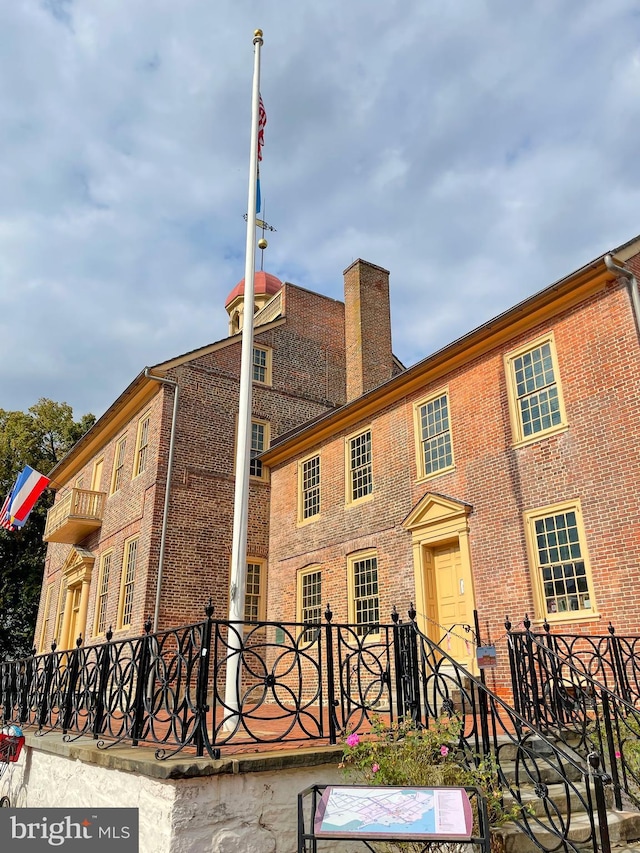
[{"x": 449, "y": 601}]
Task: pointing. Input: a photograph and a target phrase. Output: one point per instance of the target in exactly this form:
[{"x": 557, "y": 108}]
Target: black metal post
[
  {"x": 618, "y": 667},
  {"x": 511, "y": 640},
  {"x": 71, "y": 685},
  {"x": 414, "y": 667},
  {"x": 397, "y": 662},
  {"x": 535, "y": 696},
  {"x": 601, "y": 802},
  {"x": 27, "y": 679},
  {"x": 202, "y": 686},
  {"x": 554, "y": 679},
  {"x": 331, "y": 688},
  {"x": 611, "y": 748},
  {"x": 101, "y": 696},
  {"x": 484, "y": 706},
  {"x": 142, "y": 675},
  {"x": 48, "y": 678}
]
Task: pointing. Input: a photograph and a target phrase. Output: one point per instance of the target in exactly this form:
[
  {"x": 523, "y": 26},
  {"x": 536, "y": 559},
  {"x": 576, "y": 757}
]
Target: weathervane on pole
[{"x": 262, "y": 242}]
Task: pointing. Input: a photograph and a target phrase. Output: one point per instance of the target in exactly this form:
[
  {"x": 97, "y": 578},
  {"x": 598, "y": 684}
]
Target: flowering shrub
[{"x": 405, "y": 755}]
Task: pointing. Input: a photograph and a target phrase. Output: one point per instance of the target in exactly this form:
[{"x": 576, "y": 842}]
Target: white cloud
[{"x": 478, "y": 152}]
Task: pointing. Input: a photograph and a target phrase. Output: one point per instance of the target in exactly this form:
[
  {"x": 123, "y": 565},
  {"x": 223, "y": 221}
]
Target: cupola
[{"x": 265, "y": 286}]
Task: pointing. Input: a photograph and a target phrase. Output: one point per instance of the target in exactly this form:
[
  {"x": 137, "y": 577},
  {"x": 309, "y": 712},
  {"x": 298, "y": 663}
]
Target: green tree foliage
[{"x": 39, "y": 438}]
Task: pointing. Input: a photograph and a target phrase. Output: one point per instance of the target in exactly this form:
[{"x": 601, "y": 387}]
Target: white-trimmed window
[
  {"x": 309, "y": 488},
  {"x": 535, "y": 394},
  {"x": 254, "y": 602},
  {"x": 364, "y": 598},
  {"x": 62, "y": 601},
  {"x": 562, "y": 580},
  {"x": 118, "y": 464},
  {"x": 359, "y": 466},
  {"x": 259, "y": 442},
  {"x": 44, "y": 633},
  {"x": 103, "y": 594},
  {"x": 310, "y": 600},
  {"x": 142, "y": 445},
  {"x": 261, "y": 367},
  {"x": 127, "y": 587},
  {"x": 433, "y": 429}
]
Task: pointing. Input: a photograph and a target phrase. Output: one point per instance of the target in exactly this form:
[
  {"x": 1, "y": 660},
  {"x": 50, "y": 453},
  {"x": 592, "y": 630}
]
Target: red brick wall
[
  {"x": 128, "y": 512},
  {"x": 595, "y": 461},
  {"x": 308, "y": 378}
]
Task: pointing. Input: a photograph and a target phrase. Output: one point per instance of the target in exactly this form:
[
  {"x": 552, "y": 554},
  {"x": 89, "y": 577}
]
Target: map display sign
[{"x": 352, "y": 811}]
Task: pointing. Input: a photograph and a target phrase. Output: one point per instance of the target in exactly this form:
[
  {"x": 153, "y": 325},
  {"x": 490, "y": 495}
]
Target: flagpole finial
[{"x": 257, "y": 36}]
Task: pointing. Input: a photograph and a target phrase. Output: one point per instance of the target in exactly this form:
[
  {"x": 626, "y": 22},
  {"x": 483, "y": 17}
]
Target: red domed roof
[{"x": 264, "y": 282}]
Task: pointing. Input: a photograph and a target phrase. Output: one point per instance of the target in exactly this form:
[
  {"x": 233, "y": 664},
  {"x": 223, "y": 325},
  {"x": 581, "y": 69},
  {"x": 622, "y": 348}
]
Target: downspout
[
  {"x": 167, "y": 490},
  {"x": 633, "y": 287}
]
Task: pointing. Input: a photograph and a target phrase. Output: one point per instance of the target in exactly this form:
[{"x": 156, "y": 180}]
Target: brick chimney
[{"x": 367, "y": 322}]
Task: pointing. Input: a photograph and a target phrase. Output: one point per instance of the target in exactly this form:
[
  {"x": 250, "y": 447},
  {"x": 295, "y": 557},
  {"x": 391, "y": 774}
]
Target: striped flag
[
  {"x": 262, "y": 121},
  {"x": 4, "y": 512},
  {"x": 28, "y": 488}
]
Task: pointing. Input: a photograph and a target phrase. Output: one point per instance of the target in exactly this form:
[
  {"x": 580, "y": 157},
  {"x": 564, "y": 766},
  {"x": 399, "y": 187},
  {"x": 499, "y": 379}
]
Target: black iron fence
[
  {"x": 583, "y": 690},
  {"x": 311, "y": 683},
  {"x": 295, "y": 682}
]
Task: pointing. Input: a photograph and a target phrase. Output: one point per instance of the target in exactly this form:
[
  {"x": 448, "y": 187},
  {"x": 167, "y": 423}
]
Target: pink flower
[
  {"x": 444, "y": 750},
  {"x": 353, "y": 740},
  {"x": 618, "y": 754},
  {"x": 375, "y": 768}
]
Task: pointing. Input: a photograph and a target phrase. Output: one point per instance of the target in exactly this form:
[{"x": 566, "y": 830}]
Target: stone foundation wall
[{"x": 243, "y": 805}]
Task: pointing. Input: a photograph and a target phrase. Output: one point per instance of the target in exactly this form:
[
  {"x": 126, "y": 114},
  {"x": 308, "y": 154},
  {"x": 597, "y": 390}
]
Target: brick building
[
  {"x": 499, "y": 474},
  {"x": 105, "y": 530}
]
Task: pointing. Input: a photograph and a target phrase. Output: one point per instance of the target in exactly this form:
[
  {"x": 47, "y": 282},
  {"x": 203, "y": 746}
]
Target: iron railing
[
  {"x": 296, "y": 682},
  {"x": 583, "y": 690},
  {"x": 305, "y": 682}
]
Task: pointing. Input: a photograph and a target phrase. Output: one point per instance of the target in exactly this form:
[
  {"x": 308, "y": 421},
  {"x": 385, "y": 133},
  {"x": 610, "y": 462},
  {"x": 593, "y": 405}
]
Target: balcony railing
[{"x": 75, "y": 516}]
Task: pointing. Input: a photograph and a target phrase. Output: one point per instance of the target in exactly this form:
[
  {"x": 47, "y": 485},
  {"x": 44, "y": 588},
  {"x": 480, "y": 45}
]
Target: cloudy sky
[{"x": 478, "y": 150}]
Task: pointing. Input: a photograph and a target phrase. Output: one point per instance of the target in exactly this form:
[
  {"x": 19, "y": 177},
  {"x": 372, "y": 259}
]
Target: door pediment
[
  {"x": 437, "y": 512},
  {"x": 78, "y": 566}
]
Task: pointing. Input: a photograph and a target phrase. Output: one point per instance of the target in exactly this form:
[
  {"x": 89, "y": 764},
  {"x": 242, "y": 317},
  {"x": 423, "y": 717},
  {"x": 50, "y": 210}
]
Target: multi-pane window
[
  {"x": 45, "y": 620},
  {"x": 261, "y": 365},
  {"x": 103, "y": 593},
  {"x": 560, "y": 561},
  {"x": 253, "y": 597},
  {"x": 62, "y": 600},
  {"x": 310, "y": 600},
  {"x": 435, "y": 435},
  {"x": 118, "y": 465},
  {"x": 259, "y": 438},
  {"x": 366, "y": 602},
  {"x": 128, "y": 582},
  {"x": 535, "y": 392},
  {"x": 310, "y": 487},
  {"x": 143, "y": 446},
  {"x": 359, "y": 464}
]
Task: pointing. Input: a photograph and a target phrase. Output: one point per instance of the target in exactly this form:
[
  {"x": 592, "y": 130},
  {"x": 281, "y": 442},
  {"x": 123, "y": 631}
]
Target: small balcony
[{"x": 77, "y": 515}]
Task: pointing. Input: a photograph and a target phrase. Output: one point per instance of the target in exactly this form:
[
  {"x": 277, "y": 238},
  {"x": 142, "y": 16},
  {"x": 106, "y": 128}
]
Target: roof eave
[{"x": 532, "y": 310}]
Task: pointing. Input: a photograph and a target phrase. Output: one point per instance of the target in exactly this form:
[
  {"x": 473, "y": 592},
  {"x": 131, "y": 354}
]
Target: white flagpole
[{"x": 238, "y": 580}]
